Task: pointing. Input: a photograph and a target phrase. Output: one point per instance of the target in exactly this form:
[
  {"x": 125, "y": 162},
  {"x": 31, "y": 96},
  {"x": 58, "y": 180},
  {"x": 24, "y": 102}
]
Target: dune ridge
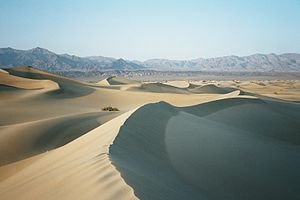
[
  {"x": 179, "y": 84},
  {"x": 46, "y": 134},
  {"x": 209, "y": 89},
  {"x": 26, "y": 83},
  {"x": 114, "y": 80},
  {"x": 225, "y": 149},
  {"x": 68, "y": 88},
  {"x": 82, "y": 164}
]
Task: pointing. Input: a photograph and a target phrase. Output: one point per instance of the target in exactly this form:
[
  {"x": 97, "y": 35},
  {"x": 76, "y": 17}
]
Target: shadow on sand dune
[
  {"x": 68, "y": 88},
  {"x": 227, "y": 149},
  {"x": 32, "y": 138}
]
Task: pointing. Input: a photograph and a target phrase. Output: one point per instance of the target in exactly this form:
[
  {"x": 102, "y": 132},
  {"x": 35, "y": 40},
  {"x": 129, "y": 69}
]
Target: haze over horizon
[{"x": 138, "y": 30}]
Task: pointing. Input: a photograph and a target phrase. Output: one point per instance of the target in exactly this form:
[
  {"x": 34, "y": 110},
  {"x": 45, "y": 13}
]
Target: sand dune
[
  {"x": 103, "y": 82},
  {"x": 31, "y": 138},
  {"x": 172, "y": 88},
  {"x": 159, "y": 88},
  {"x": 279, "y": 89},
  {"x": 68, "y": 88},
  {"x": 11, "y": 81},
  {"x": 120, "y": 81},
  {"x": 3, "y": 71},
  {"x": 226, "y": 149},
  {"x": 78, "y": 170},
  {"x": 192, "y": 86},
  {"x": 76, "y": 98},
  {"x": 179, "y": 84},
  {"x": 208, "y": 89},
  {"x": 54, "y": 143}
]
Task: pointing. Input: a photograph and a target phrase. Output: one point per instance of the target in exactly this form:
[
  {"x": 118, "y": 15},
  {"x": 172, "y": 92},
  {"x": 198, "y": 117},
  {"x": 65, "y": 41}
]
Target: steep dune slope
[
  {"x": 172, "y": 88},
  {"x": 160, "y": 88},
  {"x": 68, "y": 88},
  {"x": 179, "y": 84},
  {"x": 9, "y": 80},
  {"x": 227, "y": 149},
  {"x": 209, "y": 89},
  {"x": 78, "y": 170},
  {"x": 27, "y": 139},
  {"x": 114, "y": 80}
]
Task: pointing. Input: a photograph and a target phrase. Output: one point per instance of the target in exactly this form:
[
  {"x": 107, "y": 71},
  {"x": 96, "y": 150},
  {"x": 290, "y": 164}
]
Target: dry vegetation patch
[{"x": 109, "y": 108}]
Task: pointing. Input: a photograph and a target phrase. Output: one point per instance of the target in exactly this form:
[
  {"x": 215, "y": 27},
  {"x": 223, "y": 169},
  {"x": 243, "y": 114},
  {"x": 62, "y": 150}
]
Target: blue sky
[{"x": 141, "y": 30}]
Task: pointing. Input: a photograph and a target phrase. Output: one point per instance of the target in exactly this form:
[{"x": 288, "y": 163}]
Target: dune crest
[
  {"x": 225, "y": 149},
  {"x": 78, "y": 170},
  {"x": 46, "y": 134},
  {"x": 26, "y": 83},
  {"x": 115, "y": 80},
  {"x": 179, "y": 84},
  {"x": 209, "y": 89}
]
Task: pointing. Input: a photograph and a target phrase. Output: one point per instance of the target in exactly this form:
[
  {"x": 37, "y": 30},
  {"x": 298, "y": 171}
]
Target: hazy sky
[{"x": 137, "y": 29}]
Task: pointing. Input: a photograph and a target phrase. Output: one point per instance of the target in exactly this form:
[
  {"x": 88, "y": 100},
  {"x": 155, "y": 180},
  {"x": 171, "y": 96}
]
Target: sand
[
  {"x": 25, "y": 83},
  {"x": 54, "y": 137},
  {"x": 78, "y": 170},
  {"x": 120, "y": 81},
  {"x": 178, "y": 84},
  {"x": 279, "y": 89},
  {"x": 209, "y": 89},
  {"x": 28, "y": 139},
  {"x": 235, "y": 148}
]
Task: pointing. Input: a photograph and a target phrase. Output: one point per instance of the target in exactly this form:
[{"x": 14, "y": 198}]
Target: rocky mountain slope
[
  {"x": 256, "y": 62},
  {"x": 47, "y": 60}
]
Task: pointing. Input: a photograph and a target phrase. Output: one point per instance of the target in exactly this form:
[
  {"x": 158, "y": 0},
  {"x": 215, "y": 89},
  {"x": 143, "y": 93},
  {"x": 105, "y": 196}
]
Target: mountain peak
[
  {"x": 121, "y": 60},
  {"x": 40, "y": 50}
]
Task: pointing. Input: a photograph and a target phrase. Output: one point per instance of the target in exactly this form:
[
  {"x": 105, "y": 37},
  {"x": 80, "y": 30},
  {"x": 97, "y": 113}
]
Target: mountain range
[{"x": 46, "y": 60}]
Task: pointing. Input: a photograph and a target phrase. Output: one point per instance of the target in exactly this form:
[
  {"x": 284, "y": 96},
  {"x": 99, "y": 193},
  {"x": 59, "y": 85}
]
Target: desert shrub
[{"x": 109, "y": 108}]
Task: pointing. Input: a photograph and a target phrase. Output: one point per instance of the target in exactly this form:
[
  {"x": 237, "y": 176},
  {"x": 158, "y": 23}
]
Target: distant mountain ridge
[
  {"x": 47, "y": 60},
  {"x": 257, "y": 62}
]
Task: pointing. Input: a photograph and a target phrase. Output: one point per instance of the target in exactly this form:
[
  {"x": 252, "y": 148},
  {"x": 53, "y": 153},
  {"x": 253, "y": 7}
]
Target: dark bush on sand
[{"x": 109, "y": 108}]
